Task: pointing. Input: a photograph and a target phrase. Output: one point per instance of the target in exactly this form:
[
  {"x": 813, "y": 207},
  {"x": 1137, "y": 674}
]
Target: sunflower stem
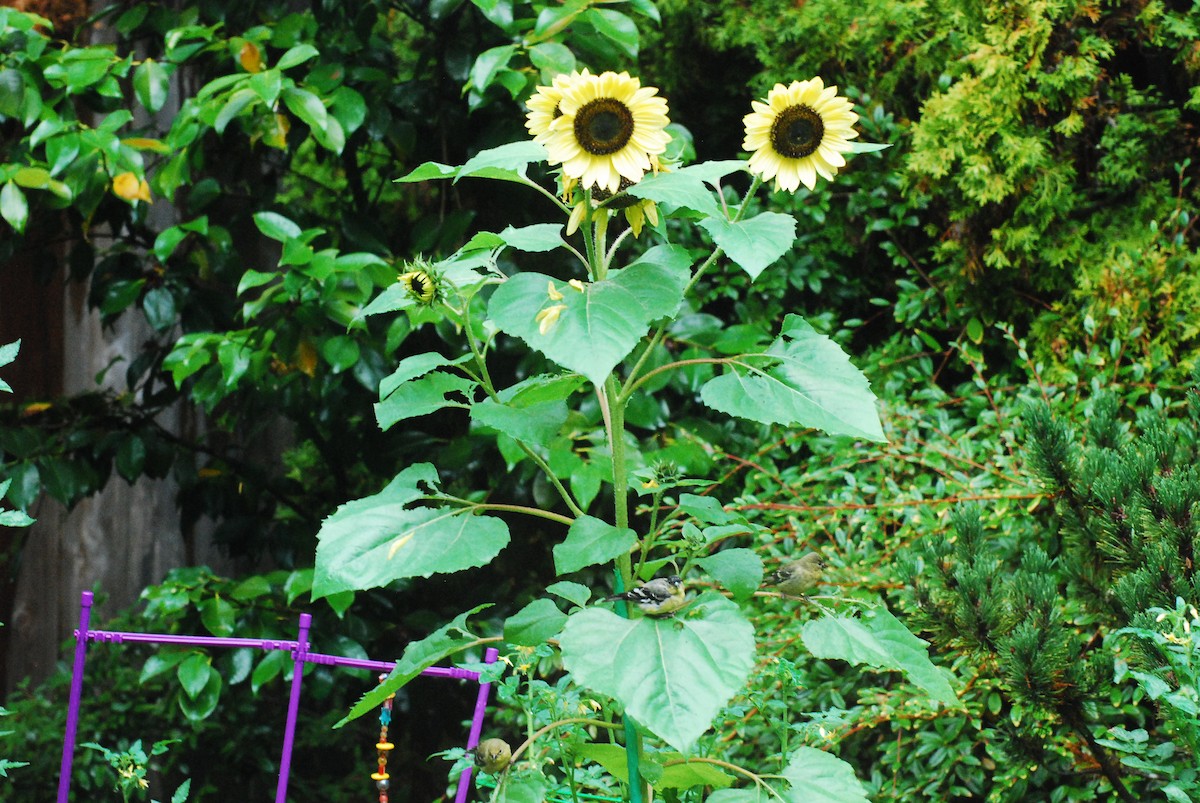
[{"x": 624, "y": 565}]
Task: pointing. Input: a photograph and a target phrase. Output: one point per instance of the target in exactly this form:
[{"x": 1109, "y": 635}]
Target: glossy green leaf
[
  {"x": 418, "y": 656},
  {"x": 341, "y": 352},
  {"x": 8, "y": 353},
  {"x": 130, "y": 458},
  {"x": 672, "y": 675},
  {"x": 12, "y": 90},
  {"x": 534, "y": 624},
  {"x": 13, "y": 206},
  {"x": 879, "y": 640},
  {"x": 488, "y": 63},
  {"x": 269, "y": 668},
  {"x": 307, "y": 106},
  {"x": 591, "y": 541},
  {"x": 276, "y": 226},
  {"x": 218, "y": 616},
  {"x": 372, "y": 541},
  {"x": 756, "y": 243},
  {"x": 296, "y": 55},
  {"x": 600, "y": 326},
  {"x": 151, "y": 83},
  {"x": 235, "y": 104},
  {"x": 739, "y": 570},
  {"x": 201, "y": 706},
  {"x": 616, "y": 27},
  {"x": 552, "y": 58},
  {"x": 803, "y": 379},
  {"x": 267, "y": 85},
  {"x": 159, "y": 306},
  {"x": 193, "y": 673}
]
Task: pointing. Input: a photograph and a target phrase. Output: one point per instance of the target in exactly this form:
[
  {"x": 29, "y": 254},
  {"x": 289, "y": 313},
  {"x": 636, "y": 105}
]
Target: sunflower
[
  {"x": 801, "y": 131},
  {"x": 609, "y": 127},
  {"x": 543, "y": 104}
]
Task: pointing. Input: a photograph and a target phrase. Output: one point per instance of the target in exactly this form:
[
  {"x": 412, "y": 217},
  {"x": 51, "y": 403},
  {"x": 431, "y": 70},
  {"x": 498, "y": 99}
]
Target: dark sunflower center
[
  {"x": 797, "y": 132},
  {"x": 617, "y": 200},
  {"x": 603, "y": 126}
]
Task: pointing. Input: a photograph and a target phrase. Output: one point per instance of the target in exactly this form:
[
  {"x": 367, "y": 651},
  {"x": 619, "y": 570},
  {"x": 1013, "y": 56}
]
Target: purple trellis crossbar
[{"x": 301, "y": 656}]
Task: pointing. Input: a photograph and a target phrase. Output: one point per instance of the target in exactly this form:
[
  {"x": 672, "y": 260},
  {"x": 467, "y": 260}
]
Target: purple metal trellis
[{"x": 301, "y": 655}]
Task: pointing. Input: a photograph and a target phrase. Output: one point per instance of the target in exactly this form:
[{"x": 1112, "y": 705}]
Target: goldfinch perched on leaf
[
  {"x": 799, "y": 577},
  {"x": 660, "y": 597},
  {"x": 492, "y": 755}
]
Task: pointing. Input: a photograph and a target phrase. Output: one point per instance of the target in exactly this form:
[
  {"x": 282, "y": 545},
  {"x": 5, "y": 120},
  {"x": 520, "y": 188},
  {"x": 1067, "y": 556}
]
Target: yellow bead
[
  {"x": 379, "y": 776},
  {"x": 385, "y": 746}
]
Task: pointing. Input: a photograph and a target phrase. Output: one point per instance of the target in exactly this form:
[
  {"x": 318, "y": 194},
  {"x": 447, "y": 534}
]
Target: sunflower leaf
[
  {"x": 755, "y": 243},
  {"x": 671, "y": 675},
  {"x": 372, "y": 541},
  {"x": 803, "y": 379},
  {"x": 598, "y": 327}
]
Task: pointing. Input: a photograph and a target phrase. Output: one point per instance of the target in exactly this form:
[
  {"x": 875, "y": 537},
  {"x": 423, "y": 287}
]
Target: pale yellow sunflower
[
  {"x": 800, "y": 132},
  {"x": 609, "y": 127},
  {"x": 543, "y": 104}
]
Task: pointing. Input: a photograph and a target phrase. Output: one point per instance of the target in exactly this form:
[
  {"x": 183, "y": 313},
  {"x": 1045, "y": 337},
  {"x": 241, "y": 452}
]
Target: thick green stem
[{"x": 616, "y": 445}]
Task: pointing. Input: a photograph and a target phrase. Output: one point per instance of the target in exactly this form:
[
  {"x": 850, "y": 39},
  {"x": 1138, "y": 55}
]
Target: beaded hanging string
[{"x": 380, "y": 777}]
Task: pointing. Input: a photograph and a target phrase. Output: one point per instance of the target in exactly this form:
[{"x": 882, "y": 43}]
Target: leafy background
[{"x": 1028, "y": 238}]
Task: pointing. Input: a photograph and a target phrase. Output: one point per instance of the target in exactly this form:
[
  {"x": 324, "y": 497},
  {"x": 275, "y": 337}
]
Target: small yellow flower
[
  {"x": 129, "y": 187},
  {"x": 548, "y": 317},
  {"x": 552, "y": 291},
  {"x": 798, "y": 133},
  {"x": 578, "y": 285}
]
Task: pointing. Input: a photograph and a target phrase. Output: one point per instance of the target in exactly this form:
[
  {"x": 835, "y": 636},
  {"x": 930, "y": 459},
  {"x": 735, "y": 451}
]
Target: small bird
[
  {"x": 799, "y": 577},
  {"x": 492, "y": 755},
  {"x": 660, "y": 597}
]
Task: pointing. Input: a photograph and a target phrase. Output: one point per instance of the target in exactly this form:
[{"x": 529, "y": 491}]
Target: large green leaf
[
  {"x": 686, "y": 187},
  {"x": 423, "y": 396},
  {"x": 681, "y": 775},
  {"x": 812, "y": 776},
  {"x": 591, "y": 541},
  {"x": 879, "y": 640},
  {"x": 598, "y": 327},
  {"x": 740, "y": 570},
  {"x": 671, "y": 675},
  {"x": 418, "y": 656},
  {"x": 373, "y": 541},
  {"x": 535, "y": 423},
  {"x": 534, "y": 624},
  {"x": 819, "y": 777},
  {"x": 803, "y": 379},
  {"x": 506, "y": 163},
  {"x": 411, "y": 390},
  {"x": 754, "y": 244}
]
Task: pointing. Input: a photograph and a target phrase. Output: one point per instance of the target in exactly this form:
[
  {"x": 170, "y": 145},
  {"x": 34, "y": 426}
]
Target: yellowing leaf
[
  {"x": 306, "y": 355},
  {"x": 250, "y": 58},
  {"x": 146, "y": 144}
]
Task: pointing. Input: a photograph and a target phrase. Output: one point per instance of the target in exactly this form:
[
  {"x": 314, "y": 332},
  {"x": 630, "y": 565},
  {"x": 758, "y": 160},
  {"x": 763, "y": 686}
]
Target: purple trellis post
[
  {"x": 481, "y": 701},
  {"x": 289, "y": 733},
  {"x": 81, "y": 639}
]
